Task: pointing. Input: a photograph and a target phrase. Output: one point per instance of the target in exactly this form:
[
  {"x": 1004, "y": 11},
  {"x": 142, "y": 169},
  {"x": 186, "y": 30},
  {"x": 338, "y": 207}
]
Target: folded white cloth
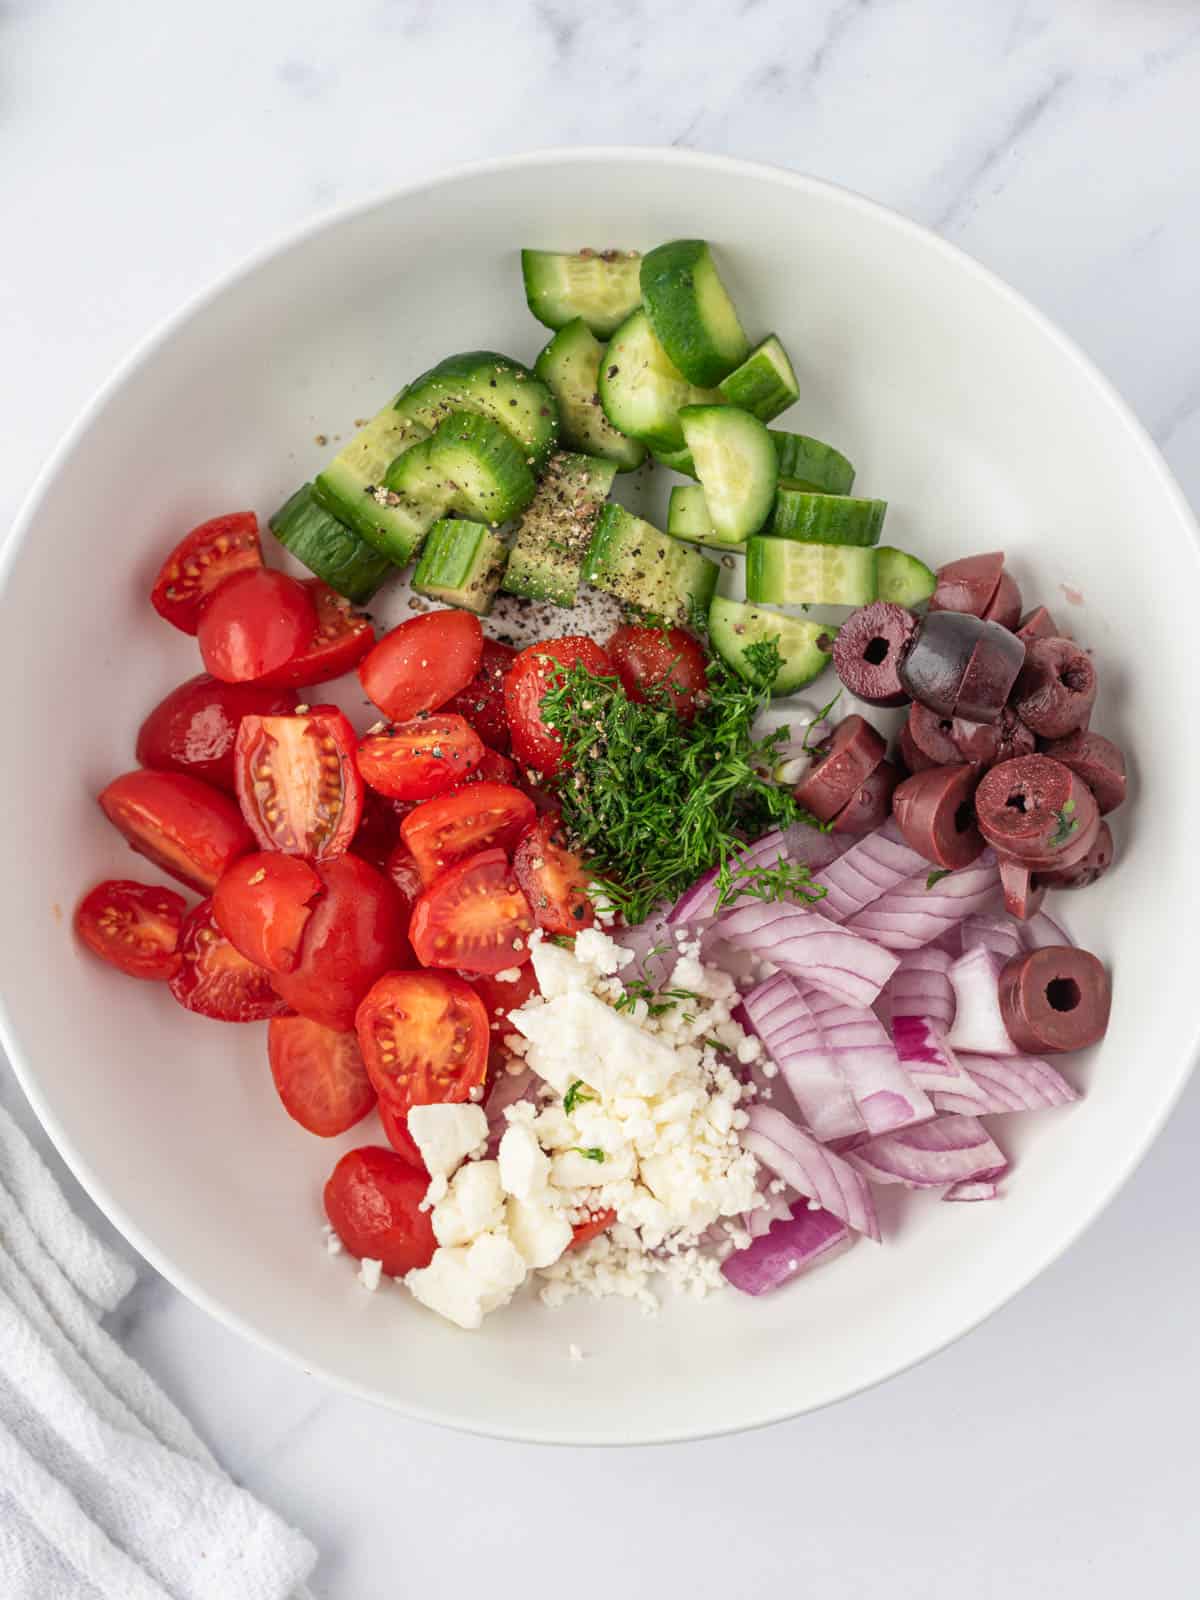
[{"x": 106, "y": 1493}]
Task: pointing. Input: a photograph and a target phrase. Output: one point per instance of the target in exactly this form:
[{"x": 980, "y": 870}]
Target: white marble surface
[{"x": 144, "y": 148}]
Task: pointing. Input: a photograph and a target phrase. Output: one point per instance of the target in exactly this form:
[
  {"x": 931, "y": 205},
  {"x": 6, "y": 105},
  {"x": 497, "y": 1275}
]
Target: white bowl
[{"x": 970, "y": 413}]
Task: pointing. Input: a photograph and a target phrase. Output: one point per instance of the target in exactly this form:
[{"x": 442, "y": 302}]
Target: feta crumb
[
  {"x": 539, "y": 1230},
  {"x": 524, "y": 1165},
  {"x": 474, "y": 1204},
  {"x": 446, "y": 1134},
  {"x": 574, "y": 1353},
  {"x": 463, "y": 1283},
  {"x": 369, "y": 1273},
  {"x": 509, "y": 975},
  {"x": 333, "y": 1241}
]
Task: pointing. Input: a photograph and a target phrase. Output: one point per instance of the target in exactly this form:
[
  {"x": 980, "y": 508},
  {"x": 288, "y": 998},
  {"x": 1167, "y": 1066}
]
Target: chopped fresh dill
[
  {"x": 593, "y": 1152},
  {"x": 764, "y": 660},
  {"x": 937, "y": 875},
  {"x": 576, "y": 1095},
  {"x": 1067, "y": 823},
  {"x": 787, "y": 879},
  {"x": 816, "y": 722}
]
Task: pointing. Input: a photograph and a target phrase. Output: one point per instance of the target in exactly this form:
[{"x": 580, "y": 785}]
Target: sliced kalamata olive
[
  {"x": 1024, "y": 890},
  {"x": 852, "y": 755},
  {"x": 910, "y": 753},
  {"x": 934, "y": 812},
  {"x": 1005, "y": 605},
  {"x": 1038, "y": 811},
  {"x": 1036, "y": 624},
  {"x": 932, "y": 671},
  {"x": 868, "y": 651},
  {"x": 871, "y": 804},
  {"x": 968, "y": 585},
  {"x": 1084, "y": 872},
  {"x": 985, "y": 743},
  {"x": 1098, "y": 762},
  {"x": 1053, "y": 999},
  {"x": 934, "y": 736},
  {"x": 1056, "y": 689},
  {"x": 991, "y": 672}
]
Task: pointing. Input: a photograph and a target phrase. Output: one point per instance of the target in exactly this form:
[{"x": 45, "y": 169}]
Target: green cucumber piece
[
  {"x": 348, "y": 486},
  {"x": 735, "y": 462},
  {"x": 783, "y": 572},
  {"x": 688, "y": 518},
  {"x": 328, "y": 548},
  {"x": 677, "y": 460},
  {"x": 765, "y": 383},
  {"x": 554, "y": 534},
  {"x": 826, "y": 518},
  {"x": 600, "y": 286},
  {"x": 648, "y": 570},
  {"x": 641, "y": 391},
  {"x": 806, "y": 463},
  {"x": 691, "y": 313},
  {"x": 461, "y": 565},
  {"x": 570, "y": 364},
  {"x": 734, "y": 628},
  {"x": 469, "y": 464},
  {"x": 903, "y": 579},
  {"x": 492, "y": 386}
]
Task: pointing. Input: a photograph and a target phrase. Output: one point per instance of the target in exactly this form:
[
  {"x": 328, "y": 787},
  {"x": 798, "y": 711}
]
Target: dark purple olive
[
  {"x": 851, "y": 756},
  {"x": 1056, "y": 689},
  {"x": 1024, "y": 890},
  {"x": 1098, "y": 762},
  {"x": 991, "y": 672},
  {"x": 1053, "y": 999},
  {"x": 985, "y": 743},
  {"x": 933, "y": 736},
  {"x": 868, "y": 651},
  {"x": 910, "y": 753},
  {"x": 1093, "y": 865},
  {"x": 1036, "y": 624},
  {"x": 1037, "y": 811},
  {"x": 940, "y": 657},
  {"x": 1005, "y": 605},
  {"x": 934, "y": 812},
  {"x": 871, "y": 804},
  {"x": 968, "y": 585}
]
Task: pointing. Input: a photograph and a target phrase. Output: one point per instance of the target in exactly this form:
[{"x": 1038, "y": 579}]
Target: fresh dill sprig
[
  {"x": 577, "y": 1094},
  {"x": 810, "y": 749},
  {"x": 785, "y": 880},
  {"x": 937, "y": 875},
  {"x": 1067, "y": 823}
]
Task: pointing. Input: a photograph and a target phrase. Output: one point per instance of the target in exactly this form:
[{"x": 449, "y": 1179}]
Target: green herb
[
  {"x": 1066, "y": 825},
  {"x": 639, "y": 989},
  {"x": 816, "y": 723},
  {"x": 564, "y": 941},
  {"x": 576, "y": 1095},
  {"x": 764, "y": 660},
  {"x": 786, "y": 878},
  {"x": 713, "y": 1044},
  {"x": 592, "y": 1152},
  {"x": 937, "y": 876}
]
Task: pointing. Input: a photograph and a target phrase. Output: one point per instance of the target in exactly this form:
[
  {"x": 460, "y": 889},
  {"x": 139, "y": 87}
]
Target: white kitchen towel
[{"x": 106, "y": 1492}]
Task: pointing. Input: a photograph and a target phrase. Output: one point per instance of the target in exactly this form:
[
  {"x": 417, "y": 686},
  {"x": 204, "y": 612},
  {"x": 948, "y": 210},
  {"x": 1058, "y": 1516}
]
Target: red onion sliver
[
  {"x": 797, "y": 940},
  {"x": 789, "y": 1247},
  {"x": 918, "y": 911},
  {"x": 932, "y": 1155},
  {"x": 978, "y": 1024},
  {"x": 972, "y": 1189},
  {"x": 780, "y": 1016},
  {"x": 933, "y": 1066},
  {"x": 774, "y": 1208},
  {"x": 811, "y": 1169},
  {"x": 886, "y": 1095},
  {"x": 871, "y": 867},
  {"x": 1017, "y": 1083},
  {"x": 1043, "y": 930},
  {"x": 919, "y": 987},
  {"x": 815, "y": 848},
  {"x": 998, "y": 934}
]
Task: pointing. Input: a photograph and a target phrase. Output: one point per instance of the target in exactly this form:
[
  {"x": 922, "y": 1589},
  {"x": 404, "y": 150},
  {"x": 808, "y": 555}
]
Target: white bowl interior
[{"x": 982, "y": 428}]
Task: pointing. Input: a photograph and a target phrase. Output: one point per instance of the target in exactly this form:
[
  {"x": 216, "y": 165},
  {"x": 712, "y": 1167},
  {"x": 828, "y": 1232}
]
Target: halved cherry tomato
[
  {"x": 401, "y": 867},
  {"x": 373, "y": 1200},
  {"x": 262, "y": 905},
  {"x": 422, "y": 663},
  {"x": 194, "y": 728},
  {"x": 395, "y": 1131},
  {"x": 255, "y": 623},
  {"x": 133, "y": 926},
  {"x": 477, "y": 815},
  {"x": 474, "y": 917},
  {"x": 536, "y": 670},
  {"x": 584, "y": 1232},
  {"x": 319, "y": 1074},
  {"x": 200, "y": 561},
  {"x": 342, "y": 638},
  {"x": 492, "y": 768},
  {"x": 424, "y": 1038},
  {"x": 184, "y": 826},
  {"x": 501, "y": 998},
  {"x": 554, "y": 878},
  {"x": 482, "y": 701},
  {"x": 298, "y": 782},
  {"x": 416, "y": 760},
  {"x": 379, "y": 828},
  {"x": 666, "y": 660},
  {"x": 216, "y": 980},
  {"x": 356, "y": 933}
]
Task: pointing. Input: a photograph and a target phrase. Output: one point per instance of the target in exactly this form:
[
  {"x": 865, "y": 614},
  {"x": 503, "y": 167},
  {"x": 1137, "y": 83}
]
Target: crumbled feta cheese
[
  {"x": 509, "y": 975},
  {"x": 473, "y": 1205},
  {"x": 540, "y": 1231},
  {"x": 524, "y": 1165},
  {"x": 465, "y": 1282},
  {"x": 446, "y": 1135},
  {"x": 574, "y": 1353},
  {"x": 369, "y": 1273},
  {"x": 333, "y": 1241}
]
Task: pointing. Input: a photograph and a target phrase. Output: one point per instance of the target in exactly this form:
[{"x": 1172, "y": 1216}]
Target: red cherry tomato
[
  {"x": 477, "y": 815},
  {"x": 473, "y": 917},
  {"x": 200, "y": 561},
  {"x": 492, "y": 768},
  {"x": 133, "y": 926},
  {"x": 355, "y": 934},
  {"x": 424, "y": 1038},
  {"x": 319, "y": 1074},
  {"x": 298, "y": 782},
  {"x": 379, "y": 829},
  {"x": 482, "y": 701},
  {"x": 342, "y": 638},
  {"x": 536, "y": 670},
  {"x": 663, "y": 659},
  {"x": 262, "y": 906},
  {"x": 554, "y": 878},
  {"x": 184, "y": 826},
  {"x": 395, "y": 1131},
  {"x": 416, "y": 760},
  {"x": 373, "y": 1200},
  {"x": 401, "y": 867},
  {"x": 584, "y": 1232},
  {"x": 194, "y": 728},
  {"x": 255, "y": 623},
  {"x": 217, "y": 981},
  {"x": 422, "y": 663},
  {"x": 501, "y": 998}
]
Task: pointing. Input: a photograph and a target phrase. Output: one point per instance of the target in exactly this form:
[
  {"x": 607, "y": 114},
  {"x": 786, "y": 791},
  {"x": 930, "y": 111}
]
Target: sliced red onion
[
  {"x": 931, "y": 1156},
  {"x": 923, "y": 907},
  {"x": 872, "y": 866},
  {"x": 1016, "y": 1083},
  {"x": 700, "y": 900},
  {"x": 1043, "y": 930},
  {"x": 814, "y": 847},
  {"x": 778, "y": 1013},
  {"x": 858, "y": 1043},
  {"x": 790, "y": 1246},
  {"x": 773, "y": 1209},
  {"x": 919, "y": 987},
  {"x": 799, "y": 942},
  {"x": 653, "y": 947},
  {"x": 811, "y": 1169},
  {"x": 998, "y": 934},
  {"x": 978, "y": 1024},
  {"x": 932, "y": 1065},
  {"x": 973, "y": 1189}
]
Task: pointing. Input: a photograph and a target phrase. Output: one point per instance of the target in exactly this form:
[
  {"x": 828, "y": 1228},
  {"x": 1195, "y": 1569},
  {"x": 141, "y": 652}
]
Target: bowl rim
[{"x": 142, "y": 352}]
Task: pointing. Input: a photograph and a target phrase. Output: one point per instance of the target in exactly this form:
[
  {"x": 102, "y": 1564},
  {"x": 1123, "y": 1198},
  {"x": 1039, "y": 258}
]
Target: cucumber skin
[
  {"x": 757, "y": 385},
  {"x": 826, "y": 518},
  {"x": 702, "y": 424},
  {"x": 469, "y": 464},
  {"x": 543, "y": 563},
  {"x": 475, "y": 557},
  {"x": 809, "y": 463},
  {"x": 677, "y": 460},
  {"x": 352, "y": 568},
  {"x": 582, "y": 425},
  {"x": 768, "y": 580},
  {"x": 674, "y": 278},
  {"x": 691, "y": 577},
  {"x": 548, "y": 304},
  {"x": 903, "y": 578},
  {"x": 341, "y": 487},
  {"x": 464, "y": 383},
  {"x": 803, "y": 658},
  {"x": 664, "y": 434}
]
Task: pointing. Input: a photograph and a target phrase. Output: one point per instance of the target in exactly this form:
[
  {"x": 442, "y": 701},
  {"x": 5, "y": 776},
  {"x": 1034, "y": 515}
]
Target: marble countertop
[{"x": 144, "y": 149}]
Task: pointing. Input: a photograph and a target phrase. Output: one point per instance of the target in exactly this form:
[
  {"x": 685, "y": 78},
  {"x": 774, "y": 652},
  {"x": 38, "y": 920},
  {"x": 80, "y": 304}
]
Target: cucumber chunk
[
  {"x": 677, "y": 460},
  {"x": 601, "y": 286},
  {"x": 735, "y": 462},
  {"x": 804, "y": 647},
  {"x": 648, "y": 570},
  {"x": 461, "y": 565},
  {"x": 765, "y": 383},
  {"x": 641, "y": 391},
  {"x": 492, "y": 386},
  {"x": 903, "y": 579},
  {"x": 570, "y": 364},
  {"x": 328, "y": 548},
  {"x": 783, "y": 572},
  {"x": 826, "y": 518},
  {"x": 687, "y": 515},
  {"x": 469, "y": 464},
  {"x": 691, "y": 313},
  {"x": 806, "y": 463},
  {"x": 554, "y": 534},
  {"x": 348, "y": 486}
]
